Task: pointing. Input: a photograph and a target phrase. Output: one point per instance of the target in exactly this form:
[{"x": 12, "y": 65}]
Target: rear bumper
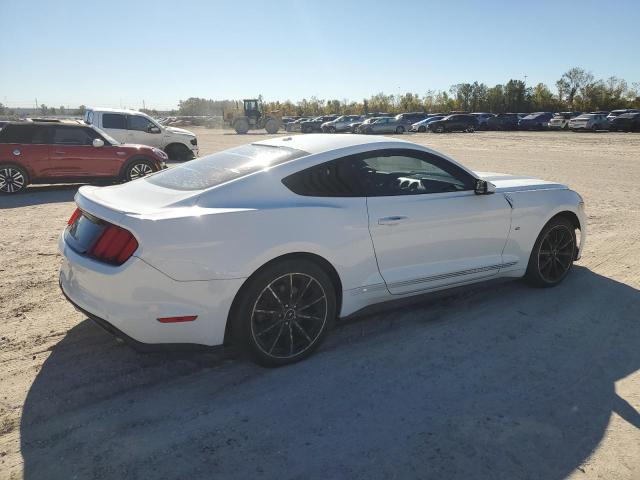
[{"x": 128, "y": 299}]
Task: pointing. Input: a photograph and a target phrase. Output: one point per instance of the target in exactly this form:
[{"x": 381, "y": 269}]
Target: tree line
[{"x": 576, "y": 90}]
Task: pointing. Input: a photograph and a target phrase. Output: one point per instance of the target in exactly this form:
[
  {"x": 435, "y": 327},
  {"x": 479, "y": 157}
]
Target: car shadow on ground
[
  {"x": 39, "y": 195},
  {"x": 495, "y": 382}
]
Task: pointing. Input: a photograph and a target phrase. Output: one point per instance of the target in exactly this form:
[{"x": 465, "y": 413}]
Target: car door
[
  {"x": 429, "y": 228},
  {"x": 143, "y": 131},
  {"x": 453, "y": 123},
  {"x": 115, "y": 124},
  {"x": 73, "y": 155}
]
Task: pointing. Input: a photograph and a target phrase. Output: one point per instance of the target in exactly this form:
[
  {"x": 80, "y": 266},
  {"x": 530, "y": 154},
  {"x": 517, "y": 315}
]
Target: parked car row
[{"x": 616, "y": 120}]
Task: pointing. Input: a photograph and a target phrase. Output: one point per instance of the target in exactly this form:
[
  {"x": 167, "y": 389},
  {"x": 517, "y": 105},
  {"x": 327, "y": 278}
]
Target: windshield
[
  {"x": 221, "y": 167},
  {"x": 106, "y": 136}
]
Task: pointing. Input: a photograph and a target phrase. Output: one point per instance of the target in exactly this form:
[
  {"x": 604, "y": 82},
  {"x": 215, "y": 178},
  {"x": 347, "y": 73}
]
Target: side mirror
[
  {"x": 98, "y": 142},
  {"x": 484, "y": 188},
  {"x": 153, "y": 129}
]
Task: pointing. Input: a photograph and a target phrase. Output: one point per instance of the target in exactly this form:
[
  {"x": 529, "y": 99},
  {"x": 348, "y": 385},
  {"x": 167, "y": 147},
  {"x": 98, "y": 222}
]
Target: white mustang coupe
[{"x": 264, "y": 245}]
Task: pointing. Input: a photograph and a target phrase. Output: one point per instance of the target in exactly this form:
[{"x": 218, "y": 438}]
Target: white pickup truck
[{"x": 130, "y": 126}]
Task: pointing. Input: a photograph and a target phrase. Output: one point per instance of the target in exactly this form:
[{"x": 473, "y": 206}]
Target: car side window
[
  {"x": 71, "y": 136},
  {"x": 40, "y": 136},
  {"x": 337, "y": 178},
  {"x": 114, "y": 120},
  {"x": 404, "y": 173},
  {"x": 386, "y": 173},
  {"x": 137, "y": 122},
  {"x": 21, "y": 134}
]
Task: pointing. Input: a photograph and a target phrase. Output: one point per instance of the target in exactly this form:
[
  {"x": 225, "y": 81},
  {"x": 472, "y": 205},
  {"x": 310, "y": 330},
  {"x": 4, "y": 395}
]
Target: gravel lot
[{"x": 495, "y": 381}]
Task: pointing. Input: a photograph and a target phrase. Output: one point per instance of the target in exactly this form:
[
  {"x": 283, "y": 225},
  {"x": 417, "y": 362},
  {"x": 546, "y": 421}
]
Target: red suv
[{"x": 53, "y": 152}]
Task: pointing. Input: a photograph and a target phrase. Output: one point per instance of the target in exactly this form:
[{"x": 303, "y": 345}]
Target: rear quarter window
[
  {"x": 331, "y": 179},
  {"x": 114, "y": 120},
  {"x": 22, "y": 134}
]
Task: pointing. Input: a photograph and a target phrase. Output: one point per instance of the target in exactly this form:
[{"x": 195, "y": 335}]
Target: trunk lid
[{"x": 136, "y": 197}]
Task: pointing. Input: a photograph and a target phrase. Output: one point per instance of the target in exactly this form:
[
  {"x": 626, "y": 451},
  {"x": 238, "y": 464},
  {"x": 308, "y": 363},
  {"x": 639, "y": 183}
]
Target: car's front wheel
[
  {"x": 284, "y": 312},
  {"x": 13, "y": 179},
  {"x": 553, "y": 254},
  {"x": 400, "y": 130},
  {"x": 439, "y": 129},
  {"x": 422, "y": 129},
  {"x": 138, "y": 169}
]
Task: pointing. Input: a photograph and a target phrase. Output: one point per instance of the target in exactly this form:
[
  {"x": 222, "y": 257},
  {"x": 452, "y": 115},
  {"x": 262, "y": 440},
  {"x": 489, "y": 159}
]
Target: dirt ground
[{"x": 497, "y": 381}]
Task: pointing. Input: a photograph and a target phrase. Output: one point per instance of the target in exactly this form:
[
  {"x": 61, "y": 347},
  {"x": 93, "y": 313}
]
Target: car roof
[
  {"x": 115, "y": 110},
  {"x": 324, "y": 142},
  {"x": 49, "y": 123}
]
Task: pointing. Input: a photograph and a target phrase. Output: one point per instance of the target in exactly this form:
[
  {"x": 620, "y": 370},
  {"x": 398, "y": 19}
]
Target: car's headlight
[{"x": 160, "y": 154}]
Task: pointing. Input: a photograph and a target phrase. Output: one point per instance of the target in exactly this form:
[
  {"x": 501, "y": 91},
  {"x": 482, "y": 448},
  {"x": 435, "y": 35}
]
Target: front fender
[{"x": 531, "y": 211}]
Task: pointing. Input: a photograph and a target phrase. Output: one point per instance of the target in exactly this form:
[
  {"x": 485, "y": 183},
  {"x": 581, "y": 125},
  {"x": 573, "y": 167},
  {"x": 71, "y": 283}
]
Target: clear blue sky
[{"x": 112, "y": 52}]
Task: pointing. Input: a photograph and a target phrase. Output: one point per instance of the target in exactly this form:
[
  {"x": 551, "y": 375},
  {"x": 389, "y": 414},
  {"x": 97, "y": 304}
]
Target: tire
[
  {"x": 331, "y": 130},
  {"x": 271, "y": 126},
  {"x": 241, "y": 126},
  {"x": 399, "y": 130},
  {"x": 422, "y": 129},
  {"x": 553, "y": 253},
  {"x": 138, "y": 169},
  {"x": 179, "y": 152},
  {"x": 439, "y": 129},
  {"x": 13, "y": 179},
  {"x": 268, "y": 320},
  {"x": 470, "y": 129}
]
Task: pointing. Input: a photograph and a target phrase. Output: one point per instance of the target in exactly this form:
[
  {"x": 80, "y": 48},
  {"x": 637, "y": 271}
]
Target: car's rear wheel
[
  {"x": 13, "y": 179},
  {"x": 439, "y": 129},
  {"x": 553, "y": 254},
  {"x": 470, "y": 129},
  {"x": 138, "y": 169},
  {"x": 400, "y": 130},
  {"x": 284, "y": 312}
]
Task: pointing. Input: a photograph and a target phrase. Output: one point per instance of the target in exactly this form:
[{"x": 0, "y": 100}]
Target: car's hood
[
  {"x": 514, "y": 183},
  {"x": 180, "y": 131}
]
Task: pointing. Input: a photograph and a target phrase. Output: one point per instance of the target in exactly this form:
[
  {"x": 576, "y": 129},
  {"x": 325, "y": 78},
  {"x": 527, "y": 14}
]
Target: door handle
[
  {"x": 58, "y": 152},
  {"x": 392, "y": 220}
]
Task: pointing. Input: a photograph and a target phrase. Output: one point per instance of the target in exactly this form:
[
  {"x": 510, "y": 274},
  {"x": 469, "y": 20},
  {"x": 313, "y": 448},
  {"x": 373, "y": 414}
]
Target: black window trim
[{"x": 438, "y": 161}]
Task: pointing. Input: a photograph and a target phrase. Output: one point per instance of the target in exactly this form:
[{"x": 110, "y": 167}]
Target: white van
[{"x": 130, "y": 126}]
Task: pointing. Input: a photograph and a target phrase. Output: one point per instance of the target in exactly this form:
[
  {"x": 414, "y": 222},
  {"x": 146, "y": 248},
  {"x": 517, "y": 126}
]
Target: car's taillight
[
  {"x": 74, "y": 216},
  {"x": 114, "y": 245}
]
